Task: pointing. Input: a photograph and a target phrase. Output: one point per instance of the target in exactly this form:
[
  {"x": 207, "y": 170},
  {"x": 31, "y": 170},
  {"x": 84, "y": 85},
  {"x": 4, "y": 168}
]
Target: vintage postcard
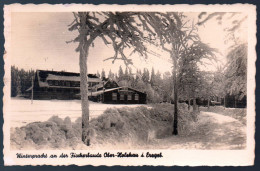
[{"x": 129, "y": 85}]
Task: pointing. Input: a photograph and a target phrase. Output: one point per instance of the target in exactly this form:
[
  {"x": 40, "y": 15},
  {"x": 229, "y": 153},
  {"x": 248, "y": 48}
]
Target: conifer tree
[
  {"x": 152, "y": 80},
  {"x": 103, "y": 74}
]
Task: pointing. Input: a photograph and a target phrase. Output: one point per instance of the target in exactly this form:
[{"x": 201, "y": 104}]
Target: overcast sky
[{"x": 39, "y": 42}]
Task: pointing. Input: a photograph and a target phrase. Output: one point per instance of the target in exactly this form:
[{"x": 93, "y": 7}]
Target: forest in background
[
  {"x": 157, "y": 86},
  {"x": 227, "y": 82},
  {"x": 21, "y": 80},
  {"x": 202, "y": 85}
]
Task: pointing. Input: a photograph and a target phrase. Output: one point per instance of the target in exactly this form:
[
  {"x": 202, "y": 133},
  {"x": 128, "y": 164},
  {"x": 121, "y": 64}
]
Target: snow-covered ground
[
  {"x": 22, "y": 111},
  {"x": 214, "y": 132}
]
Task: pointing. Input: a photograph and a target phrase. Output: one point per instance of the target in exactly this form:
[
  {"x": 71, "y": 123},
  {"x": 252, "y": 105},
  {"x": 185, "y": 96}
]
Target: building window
[
  {"x": 62, "y": 83},
  {"x": 136, "y": 96},
  {"x": 77, "y": 84},
  {"x": 114, "y": 96},
  {"x": 122, "y": 97},
  {"x": 76, "y": 91},
  {"x": 129, "y": 97},
  {"x": 68, "y": 84},
  {"x": 50, "y": 82},
  {"x": 56, "y": 83}
]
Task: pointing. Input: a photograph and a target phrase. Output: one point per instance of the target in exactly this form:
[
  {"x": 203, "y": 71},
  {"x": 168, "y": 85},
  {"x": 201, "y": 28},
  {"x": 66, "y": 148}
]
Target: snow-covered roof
[
  {"x": 101, "y": 91},
  {"x": 96, "y": 93},
  {"x": 65, "y": 78},
  {"x": 100, "y": 85},
  {"x": 103, "y": 84},
  {"x": 29, "y": 89},
  {"x": 70, "y": 78},
  {"x": 44, "y": 76},
  {"x": 43, "y": 84},
  {"x": 132, "y": 89}
]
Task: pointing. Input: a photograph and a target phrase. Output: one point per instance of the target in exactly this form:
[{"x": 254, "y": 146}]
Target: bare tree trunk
[
  {"x": 32, "y": 92},
  {"x": 235, "y": 101},
  {"x": 208, "y": 103},
  {"x": 175, "y": 120},
  {"x": 84, "y": 92},
  {"x": 194, "y": 104},
  {"x": 189, "y": 104},
  {"x": 224, "y": 102}
]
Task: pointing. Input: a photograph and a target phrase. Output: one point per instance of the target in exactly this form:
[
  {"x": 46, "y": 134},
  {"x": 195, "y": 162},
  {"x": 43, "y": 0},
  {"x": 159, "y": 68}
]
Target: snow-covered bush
[{"x": 135, "y": 126}]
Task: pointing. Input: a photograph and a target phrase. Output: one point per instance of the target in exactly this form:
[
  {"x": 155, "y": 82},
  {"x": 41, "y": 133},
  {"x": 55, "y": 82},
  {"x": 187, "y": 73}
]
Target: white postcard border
[{"x": 170, "y": 157}]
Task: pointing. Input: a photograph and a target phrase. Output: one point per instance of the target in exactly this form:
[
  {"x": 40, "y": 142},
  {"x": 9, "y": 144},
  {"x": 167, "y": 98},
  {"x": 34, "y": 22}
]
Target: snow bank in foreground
[{"x": 128, "y": 126}]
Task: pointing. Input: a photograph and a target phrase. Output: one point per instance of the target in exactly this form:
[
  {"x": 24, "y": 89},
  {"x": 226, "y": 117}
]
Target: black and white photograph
[{"x": 120, "y": 82}]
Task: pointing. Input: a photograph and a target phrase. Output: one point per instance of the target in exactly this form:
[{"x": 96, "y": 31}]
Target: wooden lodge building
[
  {"x": 58, "y": 85},
  {"x": 66, "y": 85},
  {"x": 111, "y": 92}
]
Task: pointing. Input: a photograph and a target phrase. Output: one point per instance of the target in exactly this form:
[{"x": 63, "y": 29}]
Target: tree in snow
[
  {"x": 111, "y": 75},
  {"x": 233, "y": 80},
  {"x": 145, "y": 75},
  {"x": 98, "y": 74},
  {"x": 152, "y": 79},
  {"x": 178, "y": 38},
  {"x": 117, "y": 29},
  {"x": 167, "y": 86},
  {"x": 120, "y": 73},
  {"x": 236, "y": 72},
  {"x": 103, "y": 74}
]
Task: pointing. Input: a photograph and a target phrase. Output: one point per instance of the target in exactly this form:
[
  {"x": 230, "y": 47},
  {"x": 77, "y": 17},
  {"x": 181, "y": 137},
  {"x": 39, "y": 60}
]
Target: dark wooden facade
[
  {"x": 232, "y": 101},
  {"x": 119, "y": 95},
  {"x": 66, "y": 85},
  {"x": 58, "y": 85}
]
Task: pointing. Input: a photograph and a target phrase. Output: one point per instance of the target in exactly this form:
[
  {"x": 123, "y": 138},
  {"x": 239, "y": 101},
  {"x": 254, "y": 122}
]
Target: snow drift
[{"x": 128, "y": 127}]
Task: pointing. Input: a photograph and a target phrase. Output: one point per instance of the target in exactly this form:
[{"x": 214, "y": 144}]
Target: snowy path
[
  {"x": 216, "y": 131},
  {"x": 224, "y": 131}
]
